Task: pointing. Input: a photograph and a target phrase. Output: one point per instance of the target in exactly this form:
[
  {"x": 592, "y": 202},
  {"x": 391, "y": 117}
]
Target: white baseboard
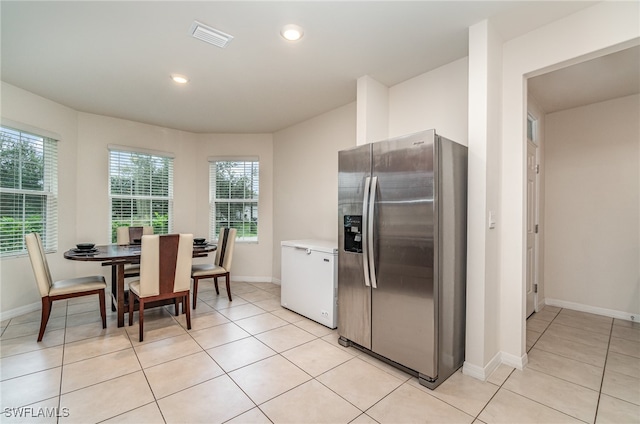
[
  {"x": 628, "y": 316},
  {"x": 517, "y": 362},
  {"x": 12, "y": 313},
  {"x": 253, "y": 279},
  {"x": 482, "y": 373}
]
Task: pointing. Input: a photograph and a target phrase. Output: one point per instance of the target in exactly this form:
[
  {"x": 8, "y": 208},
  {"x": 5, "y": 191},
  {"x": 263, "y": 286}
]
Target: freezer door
[
  {"x": 354, "y": 297},
  {"x": 404, "y": 311}
]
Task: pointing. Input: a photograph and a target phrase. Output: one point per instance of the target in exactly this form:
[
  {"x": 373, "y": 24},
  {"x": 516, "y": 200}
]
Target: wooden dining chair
[
  {"x": 51, "y": 291},
  {"x": 165, "y": 265},
  {"x": 126, "y": 235},
  {"x": 221, "y": 266}
]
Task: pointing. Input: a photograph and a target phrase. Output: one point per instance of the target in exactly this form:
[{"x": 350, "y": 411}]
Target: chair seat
[
  {"x": 134, "y": 286},
  {"x": 132, "y": 270},
  {"x": 207, "y": 269},
  {"x": 76, "y": 285}
]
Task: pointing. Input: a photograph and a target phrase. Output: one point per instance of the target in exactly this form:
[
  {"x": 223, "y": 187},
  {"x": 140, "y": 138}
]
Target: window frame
[
  {"x": 49, "y": 191},
  {"x": 123, "y": 155},
  {"x": 254, "y": 200}
]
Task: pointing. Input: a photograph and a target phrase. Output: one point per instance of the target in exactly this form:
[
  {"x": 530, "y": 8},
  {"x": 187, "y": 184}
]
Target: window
[
  {"x": 233, "y": 197},
  {"x": 140, "y": 191},
  {"x": 531, "y": 128},
  {"x": 28, "y": 190}
]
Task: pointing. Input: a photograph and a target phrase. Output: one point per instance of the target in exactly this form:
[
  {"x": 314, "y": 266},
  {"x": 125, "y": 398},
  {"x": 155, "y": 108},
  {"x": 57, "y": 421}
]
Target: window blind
[
  {"x": 28, "y": 190},
  {"x": 140, "y": 191},
  {"x": 234, "y": 187}
]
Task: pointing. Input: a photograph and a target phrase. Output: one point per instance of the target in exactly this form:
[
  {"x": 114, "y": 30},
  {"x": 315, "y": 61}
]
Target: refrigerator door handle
[
  {"x": 365, "y": 235},
  {"x": 370, "y": 225}
]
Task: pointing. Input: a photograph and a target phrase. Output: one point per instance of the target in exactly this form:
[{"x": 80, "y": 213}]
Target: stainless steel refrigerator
[{"x": 402, "y": 253}]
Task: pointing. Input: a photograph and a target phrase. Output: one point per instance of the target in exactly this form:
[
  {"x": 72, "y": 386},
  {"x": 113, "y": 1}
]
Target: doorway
[{"x": 566, "y": 125}]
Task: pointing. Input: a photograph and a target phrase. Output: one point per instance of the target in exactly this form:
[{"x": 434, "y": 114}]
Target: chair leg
[
  {"x": 176, "y": 305},
  {"x": 227, "y": 278},
  {"x": 186, "y": 308},
  {"x": 215, "y": 283},
  {"x": 103, "y": 308},
  {"x": 141, "y": 317},
  {"x": 131, "y": 300},
  {"x": 195, "y": 291},
  {"x": 44, "y": 318}
]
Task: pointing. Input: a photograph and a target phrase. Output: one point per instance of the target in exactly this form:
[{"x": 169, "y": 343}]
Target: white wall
[
  {"x": 434, "y": 100},
  {"x": 593, "y": 206},
  {"x": 17, "y": 285},
  {"x": 305, "y": 180},
  {"x": 592, "y": 32},
  {"x": 251, "y": 261},
  {"x": 95, "y": 134}
]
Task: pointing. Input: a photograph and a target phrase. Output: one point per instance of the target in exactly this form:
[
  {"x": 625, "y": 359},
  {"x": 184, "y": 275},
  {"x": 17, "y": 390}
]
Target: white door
[{"x": 532, "y": 225}]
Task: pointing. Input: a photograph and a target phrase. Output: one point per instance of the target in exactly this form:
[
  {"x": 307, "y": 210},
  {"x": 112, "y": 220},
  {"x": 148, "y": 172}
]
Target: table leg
[
  {"x": 114, "y": 277},
  {"x": 120, "y": 293}
]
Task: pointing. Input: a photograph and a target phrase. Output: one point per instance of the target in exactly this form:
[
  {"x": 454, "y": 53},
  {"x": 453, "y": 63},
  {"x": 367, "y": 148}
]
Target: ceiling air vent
[{"x": 210, "y": 35}]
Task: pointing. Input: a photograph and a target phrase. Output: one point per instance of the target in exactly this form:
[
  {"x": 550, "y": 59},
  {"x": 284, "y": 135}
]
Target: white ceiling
[{"x": 114, "y": 58}]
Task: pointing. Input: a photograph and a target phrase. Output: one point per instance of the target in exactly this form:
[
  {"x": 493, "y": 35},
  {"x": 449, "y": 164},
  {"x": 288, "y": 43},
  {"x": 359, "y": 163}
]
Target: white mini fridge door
[{"x": 309, "y": 279}]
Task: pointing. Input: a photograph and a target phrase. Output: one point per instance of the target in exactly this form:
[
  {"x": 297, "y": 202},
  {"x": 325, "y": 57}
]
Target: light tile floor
[{"x": 251, "y": 361}]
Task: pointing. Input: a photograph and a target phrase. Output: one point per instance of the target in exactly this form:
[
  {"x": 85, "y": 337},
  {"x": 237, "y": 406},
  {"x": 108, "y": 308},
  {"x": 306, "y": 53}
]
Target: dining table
[{"x": 117, "y": 256}]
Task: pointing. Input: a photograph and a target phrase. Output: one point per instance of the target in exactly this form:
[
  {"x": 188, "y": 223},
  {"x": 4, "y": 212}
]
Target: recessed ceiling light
[
  {"x": 292, "y": 32},
  {"x": 180, "y": 79}
]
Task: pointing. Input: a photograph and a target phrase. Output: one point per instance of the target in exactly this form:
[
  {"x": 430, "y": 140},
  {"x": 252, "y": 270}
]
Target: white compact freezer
[{"x": 309, "y": 280}]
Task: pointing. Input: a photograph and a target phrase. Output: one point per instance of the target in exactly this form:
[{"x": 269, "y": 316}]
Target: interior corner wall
[
  {"x": 434, "y": 100},
  {"x": 251, "y": 261},
  {"x": 305, "y": 177},
  {"x": 372, "y": 111},
  {"x": 485, "y": 59},
  {"x": 593, "y": 206},
  {"x": 591, "y": 32}
]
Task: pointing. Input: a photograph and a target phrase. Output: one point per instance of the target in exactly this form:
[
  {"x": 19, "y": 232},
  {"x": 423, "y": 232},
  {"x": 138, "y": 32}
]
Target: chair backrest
[
  {"x": 125, "y": 235},
  {"x": 39, "y": 263},
  {"x": 224, "y": 251},
  {"x": 165, "y": 263}
]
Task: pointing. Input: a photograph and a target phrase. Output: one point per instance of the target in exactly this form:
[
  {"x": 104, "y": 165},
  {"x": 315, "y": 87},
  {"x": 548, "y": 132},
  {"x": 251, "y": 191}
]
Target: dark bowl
[
  {"x": 85, "y": 246},
  {"x": 199, "y": 240}
]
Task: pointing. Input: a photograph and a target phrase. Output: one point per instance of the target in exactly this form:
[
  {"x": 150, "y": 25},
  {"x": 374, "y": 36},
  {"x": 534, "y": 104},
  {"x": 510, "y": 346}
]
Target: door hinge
[
  {"x": 537, "y": 169},
  {"x": 536, "y": 229},
  {"x": 535, "y": 288}
]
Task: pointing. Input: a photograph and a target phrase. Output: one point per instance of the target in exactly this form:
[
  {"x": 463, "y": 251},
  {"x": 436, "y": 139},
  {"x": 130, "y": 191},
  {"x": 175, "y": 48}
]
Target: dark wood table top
[{"x": 124, "y": 253}]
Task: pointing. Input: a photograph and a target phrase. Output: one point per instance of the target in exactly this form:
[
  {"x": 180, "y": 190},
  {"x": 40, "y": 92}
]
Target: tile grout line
[
  {"x": 225, "y": 373},
  {"x": 533, "y": 400},
  {"x": 64, "y": 345},
  {"x": 155, "y": 399},
  {"x": 604, "y": 370},
  {"x": 565, "y": 357},
  {"x": 312, "y": 378},
  {"x": 495, "y": 394}
]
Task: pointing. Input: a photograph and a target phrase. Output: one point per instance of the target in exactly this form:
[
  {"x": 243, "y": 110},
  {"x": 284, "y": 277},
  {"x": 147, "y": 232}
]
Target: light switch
[{"x": 492, "y": 220}]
